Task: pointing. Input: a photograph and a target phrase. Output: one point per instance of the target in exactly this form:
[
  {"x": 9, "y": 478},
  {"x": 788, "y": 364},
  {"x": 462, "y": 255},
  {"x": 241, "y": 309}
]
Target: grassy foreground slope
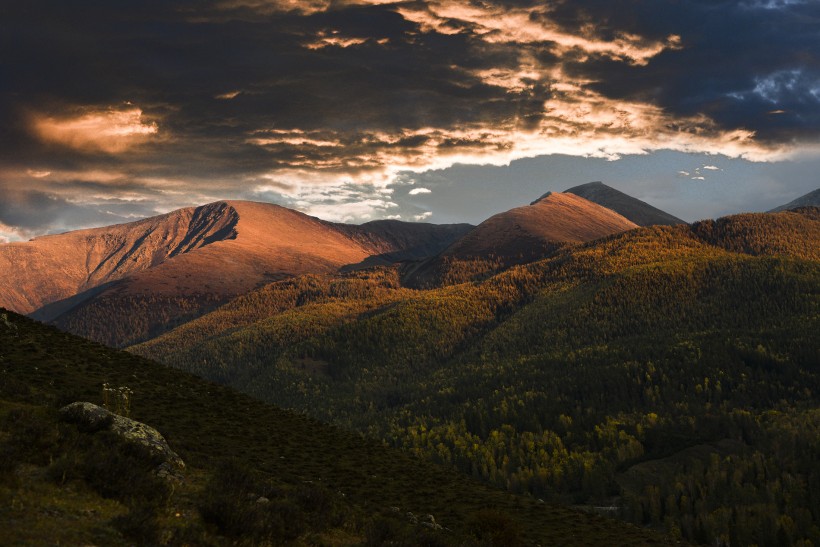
[
  {"x": 669, "y": 374},
  {"x": 326, "y": 487}
]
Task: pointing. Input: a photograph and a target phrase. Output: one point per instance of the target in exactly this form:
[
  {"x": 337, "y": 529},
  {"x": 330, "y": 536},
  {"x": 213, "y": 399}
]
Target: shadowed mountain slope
[
  {"x": 639, "y": 212},
  {"x": 812, "y": 199},
  {"x": 398, "y": 243}
]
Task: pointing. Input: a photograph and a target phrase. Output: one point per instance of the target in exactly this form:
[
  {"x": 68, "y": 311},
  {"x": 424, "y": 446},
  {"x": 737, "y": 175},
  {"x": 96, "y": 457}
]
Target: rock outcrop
[{"x": 95, "y": 418}]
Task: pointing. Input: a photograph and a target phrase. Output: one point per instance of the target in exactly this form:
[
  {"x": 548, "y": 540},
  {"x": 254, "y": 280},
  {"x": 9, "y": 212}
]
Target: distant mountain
[
  {"x": 639, "y": 212},
  {"x": 173, "y": 267},
  {"x": 518, "y": 236},
  {"x": 50, "y": 268},
  {"x": 553, "y": 218},
  {"x": 402, "y": 241},
  {"x": 812, "y": 199}
]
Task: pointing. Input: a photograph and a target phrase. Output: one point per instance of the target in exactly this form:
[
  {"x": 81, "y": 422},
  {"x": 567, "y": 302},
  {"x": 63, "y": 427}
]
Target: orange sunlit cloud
[
  {"x": 495, "y": 24},
  {"x": 107, "y": 130},
  {"x": 576, "y": 121},
  {"x": 37, "y": 173},
  {"x": 334, "y": 41},
  {"x": 498, "y": 24}
]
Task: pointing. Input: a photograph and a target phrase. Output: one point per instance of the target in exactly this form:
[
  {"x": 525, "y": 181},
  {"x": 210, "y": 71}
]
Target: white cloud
[
  {"x": 10, "y": 234},
  {"x": 417, "y": 191},
  {"x": 422, "y": 216},
  {"x": 343, "y": 201},
  {"x": 712, "y": 168}
]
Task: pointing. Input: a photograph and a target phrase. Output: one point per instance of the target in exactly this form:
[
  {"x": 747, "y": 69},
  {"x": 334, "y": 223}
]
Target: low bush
[
  {"x": 32, "y": 435},
  {"x": 495, "y": 528},
  {"x": 242, "y": 506},
  {"x": 140, "y": 524}
]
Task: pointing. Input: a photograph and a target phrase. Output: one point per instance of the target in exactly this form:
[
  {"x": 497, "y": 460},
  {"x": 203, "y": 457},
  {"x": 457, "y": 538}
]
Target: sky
[{"x": 421, "y": 110}]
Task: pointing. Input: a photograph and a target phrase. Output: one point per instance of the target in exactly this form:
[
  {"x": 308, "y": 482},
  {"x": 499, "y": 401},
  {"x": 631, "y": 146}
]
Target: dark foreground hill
[
  {"x": 255, "y": 474},
  {"x": 666, "y": 375},
  {"x": 639, "y": 212}
]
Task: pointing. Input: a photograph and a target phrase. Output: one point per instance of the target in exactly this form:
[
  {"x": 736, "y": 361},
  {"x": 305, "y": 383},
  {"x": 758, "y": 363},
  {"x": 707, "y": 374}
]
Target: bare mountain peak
[
  {"x": 545, "y": 196},
  {"x": 639, "y": 212},
  {"x": 209, "y": 223},
  {"x": 53, "y": 267},
  {"x": 550, "y": 220}
]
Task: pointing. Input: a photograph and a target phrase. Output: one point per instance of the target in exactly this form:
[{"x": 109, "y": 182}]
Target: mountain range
[
  {"x": 190, "y": 261},
  {"x": 172, "y": 268},
  {"x": 194, "y": 259}
]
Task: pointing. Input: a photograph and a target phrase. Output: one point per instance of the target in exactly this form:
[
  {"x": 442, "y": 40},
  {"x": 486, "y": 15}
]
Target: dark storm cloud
[
  {"x": 26, "y": 212},
  {"x": 28, "y": 209},
  {"x": 739, "y": 61},
  {"x": 174, "y": 60},
  {"x": 135, "y": 106}
]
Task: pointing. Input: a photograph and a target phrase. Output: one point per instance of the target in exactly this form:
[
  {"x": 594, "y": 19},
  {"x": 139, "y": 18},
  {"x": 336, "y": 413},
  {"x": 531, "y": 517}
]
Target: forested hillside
[
  {"x": 253, "y": 475},
  {"x": 666, "y": 375}
]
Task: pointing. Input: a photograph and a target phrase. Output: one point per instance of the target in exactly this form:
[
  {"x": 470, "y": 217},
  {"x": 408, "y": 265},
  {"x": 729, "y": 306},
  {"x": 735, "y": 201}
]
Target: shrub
[
  {"x": 495, "y": 528},
  {"x": 382, "y": 531},
  {"x": 113, "y": 468},
  {"x": 140, "y": 523},
  {"x": 230, "y": 502},
  {"x": 388, "y": 529},
  {"x": 124, "y": 471},
  {"x": 33, "y": 436},
  {"x": 14, "y": 388},
  {"x": 8, "y": 465}
]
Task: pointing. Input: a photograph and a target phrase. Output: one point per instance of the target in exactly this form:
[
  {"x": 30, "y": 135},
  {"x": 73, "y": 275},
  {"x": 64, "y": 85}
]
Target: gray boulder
[{"x": 96, "y": 418}]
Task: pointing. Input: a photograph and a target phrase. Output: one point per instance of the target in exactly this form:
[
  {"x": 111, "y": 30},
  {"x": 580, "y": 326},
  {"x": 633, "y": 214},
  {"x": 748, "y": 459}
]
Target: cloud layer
[{"x": 142, "y": 106}]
